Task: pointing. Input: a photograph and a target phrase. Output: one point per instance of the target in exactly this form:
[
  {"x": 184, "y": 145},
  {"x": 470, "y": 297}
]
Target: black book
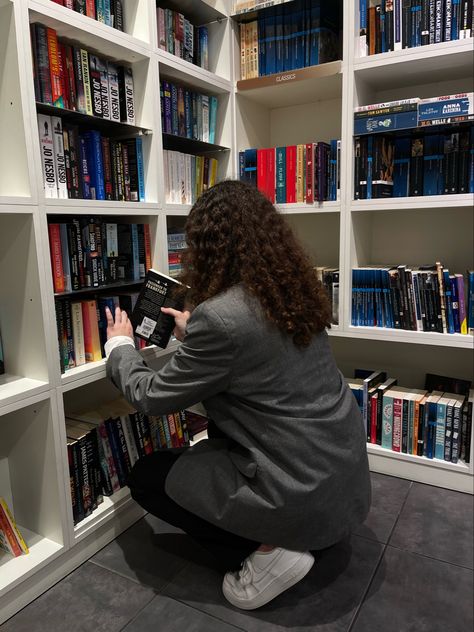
[
  {"x": 450, "y": 163},
  {"x": 149, "y": 323},
  {"x": 458, "y": 386},
  {"x": 96, "y": 86},
  {"x": 425, "y": 22},
  {"x": 463, "y": 161},
  {"x": 416, "y": 167},
  {"x": 406, "y": 23}
]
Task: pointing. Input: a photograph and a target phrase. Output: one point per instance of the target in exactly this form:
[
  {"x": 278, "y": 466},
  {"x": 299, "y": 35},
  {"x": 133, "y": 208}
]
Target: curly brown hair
[{"x": 235, "y": 235}]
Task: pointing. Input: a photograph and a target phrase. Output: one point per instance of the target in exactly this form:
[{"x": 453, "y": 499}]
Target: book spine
[
  {"x": 112, "y": 435},
  {"x": 59, "y": 158},
  {"x": 87, "y": 82},
  {"x": 112, "y": 472},
  {"x": 457, "y": 430},
  {"x": 54, "y": 231},
  {"x": 140, "y": 170},
  {"x": 56, "y": 83},
  {"x": 448, "y": 432},
  {"x": 440, "y": 430},
  {"x": 12, "y": 543},
  {"x": 397, "y": 424},
  {"x": 95, "y": 86},
  {"x": 114, "y": 95},
  {"x": 47, "y": 156}
]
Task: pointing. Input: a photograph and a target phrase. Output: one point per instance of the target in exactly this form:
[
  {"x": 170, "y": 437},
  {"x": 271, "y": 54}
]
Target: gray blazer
[{"x": 293, "y": 471}]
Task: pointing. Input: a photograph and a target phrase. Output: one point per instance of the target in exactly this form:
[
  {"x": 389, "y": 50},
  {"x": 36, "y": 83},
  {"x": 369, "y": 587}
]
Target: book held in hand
[{"x": 148, "y": 321}]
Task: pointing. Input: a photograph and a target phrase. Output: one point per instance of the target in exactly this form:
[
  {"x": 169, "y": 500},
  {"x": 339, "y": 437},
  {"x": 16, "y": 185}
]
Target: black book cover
[
  {"x": 416, "y": 167},
  {"x": 463, "y": 162},
  {"x": 149, "y": 323},
  {"x": 458, "y": 386},
  {"x": 450, "y": 163},
  {"x": 389, "y": 27},
  {"x": 406, "y": 23},
  {"x": 96, "y": 86},
  {"x": 425, "y": 22}
]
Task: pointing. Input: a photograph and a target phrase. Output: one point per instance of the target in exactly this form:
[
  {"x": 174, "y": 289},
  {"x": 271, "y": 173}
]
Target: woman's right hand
[{"x": 180, "y": 319}]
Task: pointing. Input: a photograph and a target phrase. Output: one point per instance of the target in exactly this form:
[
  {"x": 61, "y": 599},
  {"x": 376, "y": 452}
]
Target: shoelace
[{"x": 245, "y": 573}]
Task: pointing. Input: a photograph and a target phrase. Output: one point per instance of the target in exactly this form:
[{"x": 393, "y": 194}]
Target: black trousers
[{"x": 147, "y": 486}]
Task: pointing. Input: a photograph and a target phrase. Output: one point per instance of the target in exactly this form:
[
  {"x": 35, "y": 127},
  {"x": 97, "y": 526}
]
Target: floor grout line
[{"x": 430, "y": 557}]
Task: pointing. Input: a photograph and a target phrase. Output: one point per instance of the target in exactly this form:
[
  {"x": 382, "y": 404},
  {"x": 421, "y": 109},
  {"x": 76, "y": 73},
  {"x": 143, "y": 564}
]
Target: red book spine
[
  {"x": 373, "y": 419},
  {"x": 9, "y": 534},
  {"x": 146, "y": 233},
  {"x": 90, "y": 8},
  {"x": 291, "y": 174},
  {"x": 107, "y": 167},
  {"x": 261, "y": 170},
  {"x": 59, "y": 2},
  {"x": 173, "y": 432},
  {"x": 397, "y": 424},
  {"x": 70, "y": 78},
  {"x": 56, "y": 257},
  {"x": 54, "y": 68},
  {"x": 271, "y": 174},
  {"x": 309, "y": 173}
]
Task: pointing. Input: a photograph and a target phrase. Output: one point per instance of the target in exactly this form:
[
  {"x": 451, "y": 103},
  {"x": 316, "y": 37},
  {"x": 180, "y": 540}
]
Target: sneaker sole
[{"x": 291, "y": 577}]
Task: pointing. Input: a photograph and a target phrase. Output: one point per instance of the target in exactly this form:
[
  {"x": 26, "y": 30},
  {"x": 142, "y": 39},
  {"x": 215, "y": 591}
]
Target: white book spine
[
  {"x": 112, "y": 240},
  {"x": 189, "y": 180},
  {"x": 45, "y": 129},
  {"x": 129, "y": 96},
  {"x": 205, "y": 118},
  {"x": 60, "y": 163},
  {"x": 175, "y": 177},
  {"x": 78, "y": 333},
  {"x": 114, "y": 100}
]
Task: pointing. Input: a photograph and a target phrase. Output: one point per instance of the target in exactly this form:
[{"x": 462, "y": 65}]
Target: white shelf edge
[
  {"x": 191, "y": 72},
  {"x": 309, "y": 209},
  {"x": 178, "y": 209},
  {"x": 19, "y": 204},
  {"x": 82, "y": 375},
  {"x": 104, "y": 207},
  {"x": 15, "y": 570},
  {"x": 434, "y": 202},
  {"x": 420, "y": 469},
  {"x": 455, "y": 341},
  {"x": 51, "y": 10},
  {"x": 410, "y": 55},
  {"x": 18, "y": 392}
]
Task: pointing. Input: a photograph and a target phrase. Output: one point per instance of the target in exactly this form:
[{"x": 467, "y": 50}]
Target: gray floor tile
[
  {"x": 90, "y": 598},
  {"x": 325, "y": 600},
  {"x": 388, "y": 496},
  {"x": 168, "y": 615},
  {"x": 438, "y": 523},
  {"x": 412, "y": 593},
  {"x": 150, "y": 552}
]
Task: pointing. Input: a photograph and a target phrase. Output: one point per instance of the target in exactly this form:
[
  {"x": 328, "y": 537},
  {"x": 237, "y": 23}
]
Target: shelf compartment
[
  {"x": 29, "y": 481},
  {"x": 91, "y": 33},
  {"x": 119, "y": 285},
  {"x": 295, "y": 86},
  {"x": 14, "y": 168}
]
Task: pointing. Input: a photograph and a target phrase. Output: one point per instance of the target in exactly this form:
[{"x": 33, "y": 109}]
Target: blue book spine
[
  {"x": 279, "y": 41},
  {"x": 440, "y": 430},
  {"x": 354, "y": 322},
  {"x": 270, "y": 48},
  {"x": 212, "y": 119},
  {"x": 140, "y": 170},
  {"x": 100, "y": 11},
  {"x": 241, "y": 166},
  {"x": 383, "y": 35},
  {"x": 135, "y": 253},
  {"x": 455, "y": 303},
  {"x": 470, "y": 301},
  {"x": 398, "y": 25},
  {"x": 280, "y": 175},
  {"x": 107, "y": 13},
  {"x": 84, "y": 170},
  {"x": 387, "y": 422},
  {"x": 168, "y": 124},
  {"x": 431, "y": 159},
  {"x": 455, "y": 19},
  {"x": 379, "y": 319},
  {"x": 299, "y": 35},
  {"x": 449, "y": 301},
  {"x": 250, "y": 166},
  {"x": 188, "y": 115},
  {"x": 385, "y": 123},
  {"x": 333, "y": 171},
  {"x": 460, "y": 106},
  {"x": 401, "y": 167},
  {"x": 314, "y": 33},
  {"x": 261, "y": 46},
  {"x": 174, "y": 109},
  {"x": 97, "y": 165},
  {"x": 369, "y": 167}
]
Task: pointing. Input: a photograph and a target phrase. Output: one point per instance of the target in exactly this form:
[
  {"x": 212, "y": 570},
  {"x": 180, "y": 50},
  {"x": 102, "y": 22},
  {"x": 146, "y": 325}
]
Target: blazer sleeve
[{"x": 200, "y": 368}]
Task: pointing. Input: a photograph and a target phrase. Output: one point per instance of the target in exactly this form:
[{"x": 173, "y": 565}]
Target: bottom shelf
[
  {"x": 456, "y": 476},
  {"x": 16, "y": 569}
]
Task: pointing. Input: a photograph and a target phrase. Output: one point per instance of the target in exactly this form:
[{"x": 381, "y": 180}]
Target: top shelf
[
  {"x": 294, "y": 87},
  {"x": 412, "y": 66}
]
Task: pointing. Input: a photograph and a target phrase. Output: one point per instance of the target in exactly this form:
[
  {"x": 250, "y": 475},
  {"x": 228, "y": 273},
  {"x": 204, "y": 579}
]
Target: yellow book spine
[{"x": 13, "y": 524}]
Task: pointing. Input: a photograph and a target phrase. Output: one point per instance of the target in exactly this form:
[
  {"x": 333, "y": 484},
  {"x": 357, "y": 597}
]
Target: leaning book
[{"x": 149, "y": 322}]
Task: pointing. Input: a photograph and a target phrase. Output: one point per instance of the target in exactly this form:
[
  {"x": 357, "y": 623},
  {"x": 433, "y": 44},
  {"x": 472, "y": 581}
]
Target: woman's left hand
[{"x": 121, "y": 326}]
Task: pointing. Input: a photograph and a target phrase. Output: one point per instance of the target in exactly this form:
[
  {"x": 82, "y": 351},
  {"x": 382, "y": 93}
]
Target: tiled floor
[{"x": 408, "y": 568}]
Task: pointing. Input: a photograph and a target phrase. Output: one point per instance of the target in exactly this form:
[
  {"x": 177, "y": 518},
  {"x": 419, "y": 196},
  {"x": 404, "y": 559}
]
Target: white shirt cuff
[{"x": 117, "y": 341}]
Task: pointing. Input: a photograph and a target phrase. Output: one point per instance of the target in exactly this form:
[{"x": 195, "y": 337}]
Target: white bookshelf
[{"x": 314, "y": 104}]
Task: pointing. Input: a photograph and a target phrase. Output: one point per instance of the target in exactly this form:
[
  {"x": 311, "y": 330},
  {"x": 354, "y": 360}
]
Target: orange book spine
[
  {"x": 90, "y": 8},
  {"x": 179, "y": 429},
  {"x": 13, "y": 525},
  {"x": 56, "y": 257},
  {"x": 372, "y": 30},
  {"x": 146, "y": 232},
  {"x": 91, "y": 331},
  {"x": 9, "y": 533},
  {"x": 173, "y": 432},
  {"x": 55, "y": 69}
]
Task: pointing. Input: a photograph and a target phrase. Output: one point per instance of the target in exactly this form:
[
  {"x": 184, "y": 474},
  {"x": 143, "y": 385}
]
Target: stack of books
[{"x": 178, "y": 36}]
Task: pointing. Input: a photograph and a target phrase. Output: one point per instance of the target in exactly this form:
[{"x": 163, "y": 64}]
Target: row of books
[
  {"x": 434, "y": 422},
  {"x": 178, "y": 36},
  {"x": 427, "y": 298},
  {"x": 104, "y": 444},
  {"x": 11, "y": 540},
  {"x": 288, "y": 37},
  {"x": 329, "y": 277},
  {"x": 84, "y": 164},
  {"x": 187, "y": 113},
  {"x": 294, "y": 174},
  {"x": 414, "y": 164},
  {"x": 396, "y": 24},
  {"x": 176, "y": 246},
  {"x": 187, "y": 176},
  {"x": 108, "y": 12},
  {"x": 71, "y": 77},
  {"x": 82, "y": 327},
  {"x": 88, "y": 252},
  {"x": 413, "y": 113}
]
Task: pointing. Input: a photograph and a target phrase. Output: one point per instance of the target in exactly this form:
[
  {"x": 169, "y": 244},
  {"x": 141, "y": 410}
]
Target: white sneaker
[{"x": 263, "y": 576}]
